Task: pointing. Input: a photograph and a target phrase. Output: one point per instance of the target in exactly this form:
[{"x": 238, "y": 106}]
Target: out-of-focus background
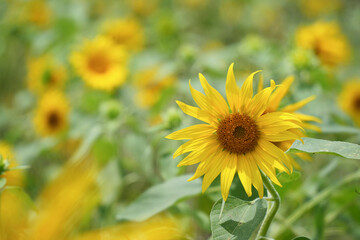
[{"x": 88, "y": 90}]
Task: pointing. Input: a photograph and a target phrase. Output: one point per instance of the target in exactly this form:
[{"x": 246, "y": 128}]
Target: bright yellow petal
[
  {"x": 298, "y": 105},
  {"x": 278, "y": 127},
  {"x": 219, "y": 103},
  {"x": 266, "y": 157},
  {"x": 246, "y": 92},
  {"x": 279, "y": 93},
  {"x": 307, "y": 118},
  {"x": 199, "y": 155},
  {"x": 276, "y": 152},
  {"x": 227, "y": 175},
  {"x": 265, "y": 167},
  {"x": 275, "y": 117},
  {"x": 194, "y": 144},
  {"x": 195, "y": 131},
  {"x": 196, "y": 113},
  {"x": 283, "y": 136},
  {"x": 204, "y": 102},
  {"x": 215, "y": 170},
  {"x": 260, "y": 101},
  {"x": 244, "y": 172},
  {"x": 232, "y": 90}
]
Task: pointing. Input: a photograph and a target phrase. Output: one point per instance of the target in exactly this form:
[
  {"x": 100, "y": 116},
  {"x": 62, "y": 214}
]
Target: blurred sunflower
[
  {"x": 143, "y": 7},
  {"x": 274, "y": 105},
  {"x": 349, "y": 99},
  {"x": 52, "y": 112},
  {"x": 62, "y": 206},
  {"x": 315, "y": 8},
  {"x": 44, "y": 74},
  {"x": 125, "y": 32},
  {"x": 326, "y": 41},
  {"x": 13, "y": 178},
  {"x": 39, "y": 13},
  {"x": 160, "y": 227},
  {"x": 238, "y": 137},
  {"x": 150, "y": 84},
  {"x": 101, "y": 64}
]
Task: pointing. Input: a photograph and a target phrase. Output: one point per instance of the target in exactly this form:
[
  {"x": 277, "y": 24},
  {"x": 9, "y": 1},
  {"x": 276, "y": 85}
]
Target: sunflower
[
  {"x": 237, "y": 137},
  {"x": 44, "y": 74},
  {"x": 326, "y": 41},
  {"x": 274, "y": 105},
  {"x": 51, "y": 115},
  {"x": 349, "y": 99},
  {"x": 150, "y": 83},
  {"x": 125, "y": 32},
  {"x": 13, "y": 177},
  {"x": 101, "y": 64},
  {"x": 38, "y": 13}
]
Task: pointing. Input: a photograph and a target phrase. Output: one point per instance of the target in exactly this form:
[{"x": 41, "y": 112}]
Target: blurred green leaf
[
  {"x": 312, "y": 145},
  {"x": 301, "y": 238},
  {"x": 283, "y": 177},
  {"x": 239, "y": 218},
  {"x": 340, "y": 129},
  {"x": 159, "y": 198}
]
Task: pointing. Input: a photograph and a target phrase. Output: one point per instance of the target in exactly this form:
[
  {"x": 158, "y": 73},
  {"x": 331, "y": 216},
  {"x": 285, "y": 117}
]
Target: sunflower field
[{"x": 179, "y": 119}]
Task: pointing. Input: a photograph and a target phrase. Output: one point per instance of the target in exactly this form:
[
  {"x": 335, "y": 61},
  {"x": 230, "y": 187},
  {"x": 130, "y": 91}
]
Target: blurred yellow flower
[
  {"x": 238, "y": 137},
  {"x": 193, "y": 3},
  {"x": 101, "y": 64},
  {"x": 62, "y": 206},
  {"x": 274, "y": 105},
  {"x": 13, "y": 177},
  {"x": 150, "y": 84},
  {"x": 38, "y": 13},
  {"x": 326, "y": 41},
  {"x": 44, "y": 74},
  {"x": 313, "y": 8},
  {"x": 158, "y": 227},
  {"x": 143, "y": 7},
  {"x": 349, "y": 99},
  {"x": 52, "y": 112},
  {"x": 125, "y": 32},
  {"x": 65, "y": 202}
]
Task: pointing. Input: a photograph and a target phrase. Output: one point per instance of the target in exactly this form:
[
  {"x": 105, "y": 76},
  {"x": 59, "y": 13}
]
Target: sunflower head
[
  {"x": 100, "y": 63},
  {"x": 237, "y": 136},
  {"x": 349, "y": 99},
  {"x": 326, "y": 41},
  {"x": 51, "y": 115},
  {"x": 125, "y": 32},
  {"x": 149, "y": 84},
  {"x": 44, "y": 74}
]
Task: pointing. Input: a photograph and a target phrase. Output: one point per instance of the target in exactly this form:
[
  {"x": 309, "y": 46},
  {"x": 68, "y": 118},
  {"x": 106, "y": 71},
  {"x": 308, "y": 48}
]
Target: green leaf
[
  {"x": 312, "y": 145},
  {"x": 283, "y": 177},
  {"x": 239, "y": 219},
  {"x": 339, "y": 129},
  {"x": 301, "y": 238},
  {"x": 160, "y": 197}
]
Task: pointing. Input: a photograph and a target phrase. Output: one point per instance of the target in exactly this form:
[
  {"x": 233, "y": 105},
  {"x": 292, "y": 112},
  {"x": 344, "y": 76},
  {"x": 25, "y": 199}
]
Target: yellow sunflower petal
[
  {"x": 298, "y": 105},
  {"x": 274, "y": 117},
  {"x": 282, "y": 136},
  {"x": 276, "y": 152},
  {"x": 261, "y": 100},
  {"x": 196, "y": 112},
  {"x": 227, "y": 175},
  {"x": 199, "y": 155},
  {"x": 214, "y": 171},
  {"x": 246, "y": 91},
  {"x": 244, "y": 171},
  {"x": 307, "y": 118},
  {"x": 232, "y": 90},
  {"x": 219, "y": 102},
  {"x": 266, "y": 168},
  {"x": 194, "y": 144},
  {"x": 279, "y": 93},
  {"x": 195, "y": 131},
  {"x": 278, "y": 127}
]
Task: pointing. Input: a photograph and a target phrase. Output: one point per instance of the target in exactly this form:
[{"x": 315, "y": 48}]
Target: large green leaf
[
  {"x": 159, "y": 198},
  {"x": 312, "y": 145},
  {"x": 239, "y": 219}
]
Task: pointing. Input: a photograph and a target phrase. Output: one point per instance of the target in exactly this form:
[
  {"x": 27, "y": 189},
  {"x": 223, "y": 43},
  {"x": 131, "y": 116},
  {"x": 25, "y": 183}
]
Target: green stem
[
  {"x": 316, "y": 200},
  {"x": 270, "y": 214}
]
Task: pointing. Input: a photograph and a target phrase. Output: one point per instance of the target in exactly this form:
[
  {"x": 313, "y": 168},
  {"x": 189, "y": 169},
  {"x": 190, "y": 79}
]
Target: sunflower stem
[{"x": 271, "y": 212}]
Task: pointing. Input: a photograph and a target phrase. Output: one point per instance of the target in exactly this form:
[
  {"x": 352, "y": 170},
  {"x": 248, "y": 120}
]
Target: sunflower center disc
[
  {"x": 53, "y": 119},
  {"x": 357, "y": 103},
  {"x": 238, "y": 133},
  {"x": 98, "y": 63}
]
